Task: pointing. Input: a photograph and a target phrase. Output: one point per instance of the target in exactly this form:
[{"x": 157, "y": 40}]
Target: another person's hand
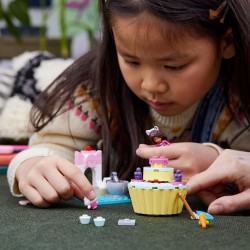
[
  {"x": 46, "y": 180},
  {"x": 190, "y": 158},
  {"x": 225, "y": 185}
]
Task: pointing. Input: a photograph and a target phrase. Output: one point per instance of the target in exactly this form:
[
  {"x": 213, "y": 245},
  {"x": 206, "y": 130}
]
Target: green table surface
[{"x": 28, "y": 227}]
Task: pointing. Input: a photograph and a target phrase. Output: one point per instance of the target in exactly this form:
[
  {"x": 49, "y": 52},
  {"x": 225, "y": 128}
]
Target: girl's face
[
  {"x": 167, "y": 74},
  {"x": 157, "y": 139}
]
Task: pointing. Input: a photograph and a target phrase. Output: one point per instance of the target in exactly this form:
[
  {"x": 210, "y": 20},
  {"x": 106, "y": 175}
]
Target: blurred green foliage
[
  {"x": 15, "y": 10},
  {"x": 75, "y": 17}
]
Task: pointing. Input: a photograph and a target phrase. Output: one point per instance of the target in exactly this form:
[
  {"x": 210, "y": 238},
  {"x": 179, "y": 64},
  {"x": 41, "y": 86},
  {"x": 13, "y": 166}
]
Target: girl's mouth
[{"x": 160, "y": 106}]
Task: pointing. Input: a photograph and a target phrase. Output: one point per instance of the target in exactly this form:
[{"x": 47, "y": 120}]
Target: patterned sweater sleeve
[{"x": 68, "y": 132}]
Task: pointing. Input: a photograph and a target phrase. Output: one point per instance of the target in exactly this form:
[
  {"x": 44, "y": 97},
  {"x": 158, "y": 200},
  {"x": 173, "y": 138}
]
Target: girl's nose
[{"x": 154, "y": 84}]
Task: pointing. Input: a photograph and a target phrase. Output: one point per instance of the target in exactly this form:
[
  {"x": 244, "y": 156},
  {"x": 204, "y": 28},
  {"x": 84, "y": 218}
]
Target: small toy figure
[
  {"x": 157, "y": 136},
  {"x": 138, "y": 174},
  {"x": 90, "y": 204},
  {"x": 178, "y": 176},
  {"x": 114, "y": 177}
]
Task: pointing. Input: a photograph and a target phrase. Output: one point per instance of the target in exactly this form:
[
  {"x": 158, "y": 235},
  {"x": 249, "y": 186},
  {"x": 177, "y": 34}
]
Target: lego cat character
[
  {"x": 157, "y": 136},
  {"x": 90, "y": 204}
]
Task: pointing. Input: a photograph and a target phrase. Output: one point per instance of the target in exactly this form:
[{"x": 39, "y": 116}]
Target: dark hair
[
  {"x": 123, "y": 128},
  {"x": 157, "y": 133}
]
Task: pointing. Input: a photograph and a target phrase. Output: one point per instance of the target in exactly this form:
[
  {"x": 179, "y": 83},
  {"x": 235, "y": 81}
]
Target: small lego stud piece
[
  {"x": 126, "y": 222},
  {"x": 24, "y": 202},
  {"x": 90, "y": 204},
  {"x": 138, "y": 174},
  {"x": 99, "y": 221},
  {"x": 84, "y": 219},
  {"x": 178, "y": 176},
  {"x": 88, "y": 148}
]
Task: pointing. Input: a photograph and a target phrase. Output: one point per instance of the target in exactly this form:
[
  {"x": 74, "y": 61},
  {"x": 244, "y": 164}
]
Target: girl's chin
[{"x": 167, "y": 112}]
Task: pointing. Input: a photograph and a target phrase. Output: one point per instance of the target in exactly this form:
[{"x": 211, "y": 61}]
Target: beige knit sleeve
[
  {"x": 70, "y": 131},
  {"x": 215, "y": 146}
]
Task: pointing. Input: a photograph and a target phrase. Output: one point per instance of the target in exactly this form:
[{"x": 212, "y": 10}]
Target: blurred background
[
  {"x": 38, "y": 40},
  {"x": 66, "y": 28}
]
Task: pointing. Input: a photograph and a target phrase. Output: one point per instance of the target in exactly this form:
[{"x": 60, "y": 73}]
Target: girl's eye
[
  {"x": 174, "y": 67},
  {"x": 133, "y": 63}
]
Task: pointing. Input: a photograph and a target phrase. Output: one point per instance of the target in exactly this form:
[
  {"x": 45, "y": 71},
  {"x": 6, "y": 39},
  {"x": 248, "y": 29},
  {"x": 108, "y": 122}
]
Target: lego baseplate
[{"x": 109, "y": 199}]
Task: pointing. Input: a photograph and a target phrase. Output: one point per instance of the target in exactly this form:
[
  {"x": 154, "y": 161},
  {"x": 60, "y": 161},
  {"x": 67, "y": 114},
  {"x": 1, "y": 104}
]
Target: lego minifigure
[{"x": 157, "y": 136}]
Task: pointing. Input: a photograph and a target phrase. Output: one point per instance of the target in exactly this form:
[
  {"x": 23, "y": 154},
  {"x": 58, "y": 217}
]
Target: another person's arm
[{"x": 225, "y": 185}]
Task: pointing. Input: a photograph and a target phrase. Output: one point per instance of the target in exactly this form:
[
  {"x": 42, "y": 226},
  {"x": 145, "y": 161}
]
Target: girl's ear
[{"x": 227, "y": 45}]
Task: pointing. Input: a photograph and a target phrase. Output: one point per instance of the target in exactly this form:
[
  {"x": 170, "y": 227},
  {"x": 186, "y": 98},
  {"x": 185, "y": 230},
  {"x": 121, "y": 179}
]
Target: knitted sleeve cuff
[
  {"x": 215, "y": 146},
  {"x": 15, "y": 163}
]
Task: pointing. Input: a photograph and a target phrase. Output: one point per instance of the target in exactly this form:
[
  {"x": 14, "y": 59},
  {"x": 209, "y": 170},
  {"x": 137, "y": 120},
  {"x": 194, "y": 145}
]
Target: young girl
[{"x": 182, "y": 66}]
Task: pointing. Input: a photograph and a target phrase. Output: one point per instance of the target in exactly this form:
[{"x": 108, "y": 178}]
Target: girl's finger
[
  {"x": 74, "y": 174},
  {"x": 169, "y": 151},
  {"x": 188, "y": 168},
  {"x": 45, "y": 189},
  {"x": 59, "y": 183},
  {"x": 77, "y": 192},
  {"x": 144, "y": 146},
  {"x": 34, "y": 197}
]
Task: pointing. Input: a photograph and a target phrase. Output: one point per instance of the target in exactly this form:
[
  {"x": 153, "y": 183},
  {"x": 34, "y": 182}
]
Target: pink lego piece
[
  {"x": 89, "y": 158},
  {"x": 92, "y": 159},
  {"x": 164, "y": 143},
  {"x": 91, "y": 204},
  {"x": 158, "y": 160},
  {"x": 24, "y": 202}
]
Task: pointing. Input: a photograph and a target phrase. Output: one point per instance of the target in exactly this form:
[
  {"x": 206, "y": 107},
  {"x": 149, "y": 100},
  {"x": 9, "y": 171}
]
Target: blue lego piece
[
  {"x": 207, "y": 215},
  {"x": 109, "y": 199}
]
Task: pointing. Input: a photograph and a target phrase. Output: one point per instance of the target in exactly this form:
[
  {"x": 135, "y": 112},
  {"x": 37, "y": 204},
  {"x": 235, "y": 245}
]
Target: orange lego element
[{"x": 203, "y": 221}]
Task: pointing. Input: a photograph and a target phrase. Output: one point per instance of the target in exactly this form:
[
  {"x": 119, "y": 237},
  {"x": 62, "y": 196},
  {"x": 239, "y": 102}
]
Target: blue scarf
[{"x": 208, "y": 112}]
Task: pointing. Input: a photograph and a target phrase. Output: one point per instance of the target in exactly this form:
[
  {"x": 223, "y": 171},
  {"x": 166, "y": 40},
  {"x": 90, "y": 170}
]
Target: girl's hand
[
  {"x": 46, "y": 180},
  {"x": 230, "y": 169},
  {"x": 190, "y": 158}
]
